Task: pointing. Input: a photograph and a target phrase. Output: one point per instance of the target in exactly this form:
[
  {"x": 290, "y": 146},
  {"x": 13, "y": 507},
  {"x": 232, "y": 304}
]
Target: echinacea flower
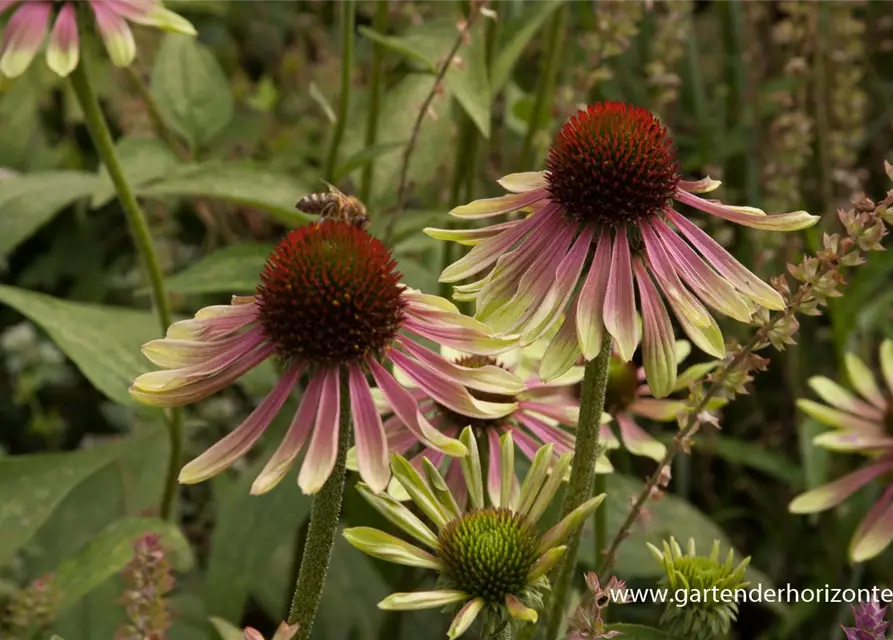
[
  {"x": 601, "y": 217},
  {"x": 869, "y": 620},
  {"x": 491, "y": 558},
  {"x": 30, "y": 20},
  {"x": 861, "y": 425},
  {"x": 530, "y": 409},
  {"x": 330, "y": 306}
]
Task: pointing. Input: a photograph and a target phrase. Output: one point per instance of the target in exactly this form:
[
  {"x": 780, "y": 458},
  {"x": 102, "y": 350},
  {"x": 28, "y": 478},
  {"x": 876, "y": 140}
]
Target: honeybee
[{"x": 335, "y": 205}]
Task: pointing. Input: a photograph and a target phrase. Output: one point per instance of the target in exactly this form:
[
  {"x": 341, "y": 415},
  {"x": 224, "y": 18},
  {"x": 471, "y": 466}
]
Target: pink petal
[
  {"x": 62, "y": 53},
  {"x": 323, "y": 451},
  {"x": 455, "y": 481},
  {"x": 591, "y": 301},
  {"x": 659, "y": 410},
  {"x": 832, "y": 494},
  {"x": 637, "y": 441},
  {"x": 23, "y": 36},
  {"x": 184, "y": 354},
  {"x": 489, "y": 207},
  {"x": 620, "y": 301},
  {"x": 115, "y": 33},
  {"x": 526, "y": 444},
  {"x": 237, "y": 443},
  {"x": 749, "y": 216},
  {"x": 563, "y": 350},
  {"x": 566, "y": 412},
  {"x": 485, "y": 253},
  {"x": 876, "y": 530},
  {"x": 658, "y": 342},
  {"x": 471, "y": 237},
  {"x": 372, "y": 450},
  {"x": 563, "y": 441}
]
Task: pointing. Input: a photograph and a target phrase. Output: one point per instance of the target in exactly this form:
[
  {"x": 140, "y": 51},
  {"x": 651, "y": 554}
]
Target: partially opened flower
[
  {"x": 491, "y": 558},
  {"x": 330, "y": 307},
  {"x": 861, "y": 425},
  {"x": 31, "y": 19},
  {"x": 532, "y": 411},
  {"x": 284, "y": 631},
  {"x": 869, "y": 620},
  {"x": 601, "y": 226}
]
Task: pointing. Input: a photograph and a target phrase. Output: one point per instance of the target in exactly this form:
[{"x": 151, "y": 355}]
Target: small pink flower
[
  {"x": 31, "y": 19},
  {"x": 860, "y": 425},
  {"x": 284, "y": 631},
  {"x": 597, "y": 226},
  {"x": 330, "y": 307}
]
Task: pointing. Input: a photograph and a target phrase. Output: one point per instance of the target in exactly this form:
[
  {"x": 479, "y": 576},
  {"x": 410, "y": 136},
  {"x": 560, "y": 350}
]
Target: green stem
[
  {"x": 142, "y": 237},
  {"x": 380, "y": 24},
  {"x": 348, "y": 18},
  {"x": 601, "y": 517},
  {"x": 545, "y": 86},
  {"x": 324, "y": 515},
  {"x": 579, "y": 489}
]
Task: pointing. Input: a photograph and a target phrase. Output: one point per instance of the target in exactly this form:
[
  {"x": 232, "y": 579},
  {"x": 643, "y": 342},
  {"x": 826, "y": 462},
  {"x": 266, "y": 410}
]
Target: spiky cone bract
[
  {"x": 594, "y": 229},
  {"x": 862, "y": 423},
  {"x": 704, "y": 615},
  {"x": 868, "y": 618},
  {"x": 30, "y": 20},
  {"x": 587, "y": 621},
  {"x": 330, "y": 304},
  {"x": 284, "y": 631},
  {"x": 491, "y": 558}
]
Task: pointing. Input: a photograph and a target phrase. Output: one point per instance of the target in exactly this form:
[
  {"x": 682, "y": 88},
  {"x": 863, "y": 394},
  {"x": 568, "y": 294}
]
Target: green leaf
[
  {"x": 406, "y": 46},
  {"x": 772, "y": 462},
  {"x": 142, "y": 159},
  {"x": 104, "y": 342},
  {"x": 192, "y": 92},
  {"x": 109, "y": 552},
  {"x": 364, "y": 156},
  {"x": 234, "y": 269},
  {"x": 641, "y": 632},
  {"x": 28, "y": 202},
  {"x": 521, "y": 31},
  {"x": 320, "y": 99},
  {"x": 240, "y": 183},
  {"x": 32, "y": 486}
]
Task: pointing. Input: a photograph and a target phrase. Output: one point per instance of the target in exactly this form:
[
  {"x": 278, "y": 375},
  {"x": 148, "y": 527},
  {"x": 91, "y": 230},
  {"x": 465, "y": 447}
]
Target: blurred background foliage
[{"x": 789, "y": 103}]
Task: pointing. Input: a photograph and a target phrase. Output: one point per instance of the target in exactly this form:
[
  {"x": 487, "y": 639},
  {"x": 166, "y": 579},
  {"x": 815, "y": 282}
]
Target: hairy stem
[
  {"x": 142, "y": 237},
  {"x": 348, "y": 19},
  {"x": 376, "y": 80},
  {"x": 579, "y": 489},
  {"x": 324, "y": 515}
]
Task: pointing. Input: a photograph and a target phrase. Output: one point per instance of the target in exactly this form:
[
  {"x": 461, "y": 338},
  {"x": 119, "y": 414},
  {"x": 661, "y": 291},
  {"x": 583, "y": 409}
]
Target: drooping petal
[
  {"x": 471, "y": 237},
  {"x": 832, "y": 494},
  {"x": 485, "y": 253},
  {"x": 523, "y": 182},
  {"x": 704, "y": 185},
  {"x": 237, "y": 443},
  {"x": 459, "y": 332},
  {"x": 211, "y": 356},
  {"x": 637, "y": 441},
  {"x": 565, "y": 412},
  {"x": 115, "y": 33},
  {"x": 853, "y": 441},
  {"x": 658, "y": 342},
  {"x": 372, "y": 449},
  {"x": 750, "y": 216},
  {"x": 489, "y": 207},
  {"x": 564, "y": 348},
  {"x": 548, "y": 434},
  {"x": 63, "y": 49},
  {"x": 659, "y": 410},
  {"x": 422, "y": 600},
  {"x": 399, "y": 515},
  {"x": 743, "y": 280},
  {"x": 886, "y": 358},
  {"x": 507, "y": 479},
  {"x": 518, "y": 610},
  {"x": 323, "y": 450},
  {"x": 405, "y": 406},
  {"x": 591, "y": 301},
  {"x": 837, "y": 396},
  {"x": 153, "y": 14},
  {"x": 384, "y": 546},
  {"x": 863, "y": 381},
  {"x": 570, "y": 523},
  {"x": 835, "y": 418},
  {"x": 24, "y": 34},
  {"x": 494, "y": 468},
  {"x": 620, "y": 300},
  {"x": 875, "y": 531},
  {"x": 464, "y": 619}
]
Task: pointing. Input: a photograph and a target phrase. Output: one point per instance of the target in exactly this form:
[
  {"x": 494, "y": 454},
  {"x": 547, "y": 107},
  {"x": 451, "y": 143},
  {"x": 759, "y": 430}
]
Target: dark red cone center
[
  {"x": 612, "y": 164},
  {"x": 330, "y": 295}
]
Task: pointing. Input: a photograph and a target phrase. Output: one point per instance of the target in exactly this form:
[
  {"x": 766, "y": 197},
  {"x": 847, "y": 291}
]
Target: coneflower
[{"x": 600, "y": 225}]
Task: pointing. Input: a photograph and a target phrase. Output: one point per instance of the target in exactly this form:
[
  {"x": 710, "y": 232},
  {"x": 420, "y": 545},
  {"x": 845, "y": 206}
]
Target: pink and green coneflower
[
  {"x": 861, "y": 424},
  {"x": 31, "y": 19},
  {"x": 330, "y": 307},
  {"x": 598, "y": 225}
]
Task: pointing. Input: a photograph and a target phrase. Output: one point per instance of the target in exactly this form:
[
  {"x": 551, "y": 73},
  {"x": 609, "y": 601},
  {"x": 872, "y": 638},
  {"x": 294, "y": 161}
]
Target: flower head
[
  {"x": 599, "y": 221},
  {"x": 706, "y": 614},
  {"x": 860, "y": 425},
  {"x": 531, "y": 410},
  {"x": 492, "y": 558},
  {"x": 869, "y": 621},
  {"x": 331, "y": 306},
  {"x": 31, "y": 19}
]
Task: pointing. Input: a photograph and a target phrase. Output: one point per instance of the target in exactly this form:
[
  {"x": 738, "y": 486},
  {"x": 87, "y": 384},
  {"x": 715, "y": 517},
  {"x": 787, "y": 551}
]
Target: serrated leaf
[
  {"x": 31, "y": 487},
  {"x": 28, "y": 202},
  {"x": 235, "y": 269},
  {"x": 110, "y": 551},
  {"x": 244, "y": 184},
  {"x": 190, "y": 88},
  {"x": 521, "y": 31},
  {"x": 104, "y": 342},
  {"x": 142, "y": 160}
]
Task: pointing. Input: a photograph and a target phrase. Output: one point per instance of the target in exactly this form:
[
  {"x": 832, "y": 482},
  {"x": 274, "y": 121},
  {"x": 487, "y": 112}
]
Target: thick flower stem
[
  {"x": 601, "y": 518},
  {"x": 592, "y": 404},
  {"x": 348, "y": 19},
  {"x": 139, "y": 229},
  {"x": 324, "y": 516}
]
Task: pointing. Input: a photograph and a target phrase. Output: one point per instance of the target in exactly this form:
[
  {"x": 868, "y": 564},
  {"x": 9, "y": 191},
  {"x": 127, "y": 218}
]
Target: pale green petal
[
  {"x": 887, "y": 363},
  {"x": 465, "y": 618},
  {"x": 570, "y": 523},
  {"x": 545, "y": 562},
  {"x": 441, "y": 490},
  {"x": 535, "y": 477},
  {"x": 422, "y": 600},
  {"x": 418, "y": 490},
  {"x": 399, "y": 515},
  {"x": 524, "y": 181},
  {"x": 518, "y": 610},
  {"x": 863, "y": 381},
  {"x": 384, "y": 546},
  {"x": 550, "y": 488},
  {"x": 471, "y": 469}
]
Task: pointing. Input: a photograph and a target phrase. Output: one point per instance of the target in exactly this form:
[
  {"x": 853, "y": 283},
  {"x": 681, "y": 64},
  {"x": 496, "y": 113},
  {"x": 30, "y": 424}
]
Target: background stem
[
  {"x": 380, "y": 24},
  {"x": 142, "y": 237},
  {"x": 324, "y": 516},
  {"x": 579, "y": 490},
  {"x": 348, "y": 18}
]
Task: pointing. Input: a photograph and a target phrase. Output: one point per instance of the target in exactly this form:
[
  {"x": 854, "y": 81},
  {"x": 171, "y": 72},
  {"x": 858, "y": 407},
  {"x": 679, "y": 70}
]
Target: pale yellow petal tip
[{"x": 170, "y": 21}]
